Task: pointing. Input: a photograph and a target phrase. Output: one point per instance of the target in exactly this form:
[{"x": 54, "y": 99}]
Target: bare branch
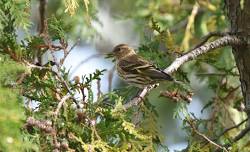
[
  {"x": 233, "y": 127},
  {"x": 209, "y": 140},
  {"x": 139, "y": 99},
  {"x": 66, "y": 52},
  {"x": 221, "y": 42},
  {"x": 241, "y": 134},
  {"x": 207, "y": 37},
  {"x": 228, "y": 129},
  {"x": 236, "y": 138},
  {"x": 33, "y": 66}
]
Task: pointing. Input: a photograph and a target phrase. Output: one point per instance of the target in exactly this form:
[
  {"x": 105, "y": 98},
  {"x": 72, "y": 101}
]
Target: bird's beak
[{"x": 109, "y": 55}]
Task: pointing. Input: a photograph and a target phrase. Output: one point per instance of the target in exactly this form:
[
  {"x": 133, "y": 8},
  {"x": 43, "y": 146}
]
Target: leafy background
[{"x": 94, "y": 120}]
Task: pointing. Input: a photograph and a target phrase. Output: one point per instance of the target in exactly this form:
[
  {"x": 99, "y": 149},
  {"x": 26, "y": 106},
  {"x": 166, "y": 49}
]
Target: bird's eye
[{"x": 117, "y": 50}]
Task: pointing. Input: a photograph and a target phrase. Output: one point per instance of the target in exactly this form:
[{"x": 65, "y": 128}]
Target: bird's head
[{"x": 122, "y": 50}]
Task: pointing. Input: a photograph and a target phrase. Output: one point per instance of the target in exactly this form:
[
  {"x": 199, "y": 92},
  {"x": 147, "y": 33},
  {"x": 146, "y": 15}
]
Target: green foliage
[
  {"x": 61, "y": 114},
  {"x": 79, "y": 22},
  {"x": 14, "y": 13},
  {"x": 56, "y": 28},
  {"x": 11, "y": 106},
  {"x": 92, "y": 125}
]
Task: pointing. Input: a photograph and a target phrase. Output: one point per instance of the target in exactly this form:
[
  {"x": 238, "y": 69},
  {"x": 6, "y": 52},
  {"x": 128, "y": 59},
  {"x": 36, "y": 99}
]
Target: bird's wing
[{"x": 137, "y": 65}]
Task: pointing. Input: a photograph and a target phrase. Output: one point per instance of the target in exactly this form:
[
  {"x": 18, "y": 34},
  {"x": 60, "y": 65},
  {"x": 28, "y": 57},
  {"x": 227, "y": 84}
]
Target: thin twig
[
  {"x": 33, "y": 66},
  {"x": 12, "y": 54},
  {"x": 233, "y": 127},
  {"x": 228, "y": 129},
  {"x": 43, "y": 125},
  {"x": 60, "y": 104},
  {"x": 230, "y": 94},
  {"x": 210, "y": 141},
  {"x": 22, "y": 77},
  {"x": 67, "y": 52},
  {"x": 51, "y": 46},
  {"x": 74, "y": 45},
  {"x": 205, "y": 137},
  {"x": 241, "y": 134},
  {"x": 236, "y": 138}
]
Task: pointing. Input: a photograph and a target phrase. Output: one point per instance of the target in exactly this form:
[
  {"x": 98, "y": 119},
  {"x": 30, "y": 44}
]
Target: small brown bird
[{"x": 135, "y": 70}]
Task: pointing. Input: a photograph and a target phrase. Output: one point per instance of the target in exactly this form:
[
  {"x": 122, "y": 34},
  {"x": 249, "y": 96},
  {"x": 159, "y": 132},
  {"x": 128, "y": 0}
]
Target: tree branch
[
  {"x": 60, "y": 104},
  {"x": 137, "y": 100},
  {"x": 228, "y": 40},
  {"x": 228, "y": 129},
  {"x": 236, "y": 138},
  {"x": 221, "y": 42},
  {"x": 233, "y": 127},
  {"x": 207, "y": 37},
  {"x": 204, "y": 136}
]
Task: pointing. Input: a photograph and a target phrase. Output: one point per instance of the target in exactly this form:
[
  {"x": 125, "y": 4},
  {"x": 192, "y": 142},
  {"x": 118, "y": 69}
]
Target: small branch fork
[
  {"x": 236, "y": 138},
  {"x": 192, "y": 125},
  {"x": 201, "y": 48},
  {"x": 233, "y": 127},
  {"x": 227, "y": 130}
]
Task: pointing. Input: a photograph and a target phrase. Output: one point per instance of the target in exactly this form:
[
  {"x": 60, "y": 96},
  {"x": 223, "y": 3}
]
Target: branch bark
[{"x": 221, "y": 42}]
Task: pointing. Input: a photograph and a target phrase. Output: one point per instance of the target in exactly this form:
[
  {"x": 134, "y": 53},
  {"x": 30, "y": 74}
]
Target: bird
[{"x": 135, "y": 70}]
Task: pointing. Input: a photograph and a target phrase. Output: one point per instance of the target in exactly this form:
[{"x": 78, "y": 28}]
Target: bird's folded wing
[
  {"x": 137, "y": 65},
  {"x": 133, "y": 63},
  {"x": 157, "y": 74}
]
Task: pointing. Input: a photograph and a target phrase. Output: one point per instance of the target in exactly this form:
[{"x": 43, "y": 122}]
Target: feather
[{"x": 136, "y": 65}]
